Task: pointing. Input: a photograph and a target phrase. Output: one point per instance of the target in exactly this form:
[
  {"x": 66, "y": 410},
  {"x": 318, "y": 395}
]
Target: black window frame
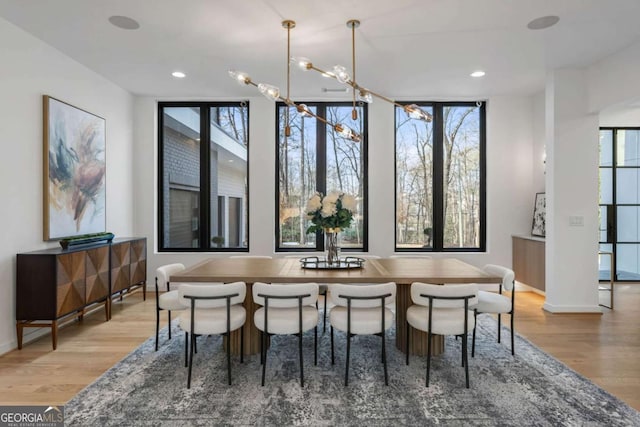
[
  {"x": 205, "y": 175},
  {"x": 321, "y": 169},
  {"x": 437, "y": 189}
]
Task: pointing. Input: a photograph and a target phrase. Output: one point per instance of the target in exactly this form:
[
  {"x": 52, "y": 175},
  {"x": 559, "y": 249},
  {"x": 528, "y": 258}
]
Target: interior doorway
[{"x": 619, "y": 198}]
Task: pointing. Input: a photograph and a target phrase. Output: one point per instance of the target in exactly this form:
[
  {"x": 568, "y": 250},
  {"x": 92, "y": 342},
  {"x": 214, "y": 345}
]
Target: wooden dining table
[{"x": 402, "y": 271}]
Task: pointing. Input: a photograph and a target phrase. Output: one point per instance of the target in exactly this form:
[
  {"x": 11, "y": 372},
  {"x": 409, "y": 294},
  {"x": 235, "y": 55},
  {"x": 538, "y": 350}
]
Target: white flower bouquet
[{"x": 333, "y": 211}]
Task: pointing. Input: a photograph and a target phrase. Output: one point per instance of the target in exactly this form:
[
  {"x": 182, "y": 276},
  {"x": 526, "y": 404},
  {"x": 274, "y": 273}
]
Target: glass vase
[{"x": 332, "y": 246}]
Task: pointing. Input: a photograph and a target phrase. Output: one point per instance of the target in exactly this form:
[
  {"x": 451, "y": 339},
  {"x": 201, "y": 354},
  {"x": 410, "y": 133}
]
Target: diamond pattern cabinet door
[
  {"x": 120, "y": 266},
  {"x": 139, "y": 261},
  {"x": 70, "y": 283},
  {"x": 97, "y": 271}
]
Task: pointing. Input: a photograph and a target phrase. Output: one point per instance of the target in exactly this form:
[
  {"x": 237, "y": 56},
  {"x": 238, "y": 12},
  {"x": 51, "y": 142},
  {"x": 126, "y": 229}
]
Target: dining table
[{"x": 402, "y": 271}]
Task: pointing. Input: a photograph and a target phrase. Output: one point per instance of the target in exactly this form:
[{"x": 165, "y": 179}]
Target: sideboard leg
[
  {"x": 19, "y": 330},
  {"x": 54, "y": 333}
]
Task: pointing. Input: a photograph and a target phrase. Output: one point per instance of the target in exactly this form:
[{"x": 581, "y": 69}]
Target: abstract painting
[
  {"x": 74, "y": 171},
  {"x": 539, "y": 212}
]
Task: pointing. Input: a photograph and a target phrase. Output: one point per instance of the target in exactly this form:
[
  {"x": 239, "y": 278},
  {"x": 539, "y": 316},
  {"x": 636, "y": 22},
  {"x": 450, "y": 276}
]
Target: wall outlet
[{"x": 576, "y": 221}]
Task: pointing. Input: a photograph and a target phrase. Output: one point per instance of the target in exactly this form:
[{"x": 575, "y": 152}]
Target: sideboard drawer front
[
  {"x": 97, "y": 268},
  {"x": 70, "y": 283}
]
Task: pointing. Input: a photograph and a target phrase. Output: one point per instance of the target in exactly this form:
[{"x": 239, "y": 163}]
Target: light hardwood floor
[{"x": 604, "y": 348}]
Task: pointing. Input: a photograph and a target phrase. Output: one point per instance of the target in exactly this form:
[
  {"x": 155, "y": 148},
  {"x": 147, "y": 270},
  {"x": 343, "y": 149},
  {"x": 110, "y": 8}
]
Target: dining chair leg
[
  {"x": 407, "y": 341},
  {"x": 346, "y": 371},
  {"x": 301, "y": 361},
  {"x": 157, "y": 327},
  {"x": 513, "y": 349},
  {"x": 473, "y": 339},
  {"x": 195, "y": 344},
  {"x": 193, "y": 339},
  {"x": 261, "y": 348},
  {"x": 428, "y": 355},
  {"x": 462, "y": 355},
  {"x": 229, "y": 357},
  {"x": 186, "y": 349},
  {"x": 333, "y": 359},
  {"x": 264, "y": 364},
  {"x": 464, "y": 358},
  {"x": 315, "y": 346},
  {"x": 169, "y": 324},
  {"x": 499, "y": 326},
  {"x": 242, "y": 344},
  {"x": 384, "y": 358}
]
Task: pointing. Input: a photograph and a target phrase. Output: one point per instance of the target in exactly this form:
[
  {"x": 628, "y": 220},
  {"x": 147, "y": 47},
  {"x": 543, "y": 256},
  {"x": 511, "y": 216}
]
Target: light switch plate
[{"x": 576, "y": 221}]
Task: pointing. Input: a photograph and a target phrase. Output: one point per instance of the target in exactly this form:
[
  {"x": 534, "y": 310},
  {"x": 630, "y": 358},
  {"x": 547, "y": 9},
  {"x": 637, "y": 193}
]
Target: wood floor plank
[{"x": 603, "y": 348}]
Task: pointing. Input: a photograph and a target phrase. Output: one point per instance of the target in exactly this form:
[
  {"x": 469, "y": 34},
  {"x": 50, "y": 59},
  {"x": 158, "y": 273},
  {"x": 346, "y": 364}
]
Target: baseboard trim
[
  {"x": 32, "y": 335},
  {"x": 591, "y": 309}
]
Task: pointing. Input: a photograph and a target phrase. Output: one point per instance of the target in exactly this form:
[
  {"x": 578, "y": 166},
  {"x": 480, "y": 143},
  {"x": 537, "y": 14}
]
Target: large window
[
  {"x": 315, "y": 158},
  {"x": 440, "y": 188},
  {"x": 203, "y": 176}
]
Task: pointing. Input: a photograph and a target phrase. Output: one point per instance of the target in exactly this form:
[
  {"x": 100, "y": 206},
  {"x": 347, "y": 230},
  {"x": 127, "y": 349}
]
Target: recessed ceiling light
[
  {"x": 124, "y": 22},
  {"x": 179, "y": 74},
  {"x": 478, "y": 73},
  {"x": 543, "y": 22}
]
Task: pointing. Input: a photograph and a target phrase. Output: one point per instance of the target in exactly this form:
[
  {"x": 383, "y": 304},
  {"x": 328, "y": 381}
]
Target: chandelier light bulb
[
  {"x": 269, "y": 91},
  {"x": 341, "y": 73},
  {"x": 347, "y": 133},
  {"x": 415, "y": 112},
  {"x": 365, "y": 96},
  {"x": 303, "y": 110},
  {"x": 302, "y": 62},
  {"x": 240, "y": 76}
]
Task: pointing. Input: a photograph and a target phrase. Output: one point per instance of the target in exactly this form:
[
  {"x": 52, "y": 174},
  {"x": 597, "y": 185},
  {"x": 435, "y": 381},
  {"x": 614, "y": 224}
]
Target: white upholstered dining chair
[
  {"x": 361, "y": 310},
  {"x": 168, "y": 300},
  {"x": 497, "y": 303},
  {"x": 287, "y": 309},
  {"x": 213, "y": 309},
  {"x": 442, "y": 310}
]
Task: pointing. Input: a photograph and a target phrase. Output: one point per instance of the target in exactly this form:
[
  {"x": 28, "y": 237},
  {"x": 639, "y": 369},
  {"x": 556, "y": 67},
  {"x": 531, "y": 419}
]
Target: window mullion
[
  {"x": 438, "y": 173},
  {"x": 205, "y": 177},
  {"x": 321, "y": 164}
]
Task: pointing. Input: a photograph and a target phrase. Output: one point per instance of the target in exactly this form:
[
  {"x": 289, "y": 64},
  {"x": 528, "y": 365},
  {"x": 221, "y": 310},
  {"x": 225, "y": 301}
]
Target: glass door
[{"x": 620, "y": 203}]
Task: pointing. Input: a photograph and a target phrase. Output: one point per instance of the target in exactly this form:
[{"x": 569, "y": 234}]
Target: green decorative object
[{"x": 85, "y": 239}]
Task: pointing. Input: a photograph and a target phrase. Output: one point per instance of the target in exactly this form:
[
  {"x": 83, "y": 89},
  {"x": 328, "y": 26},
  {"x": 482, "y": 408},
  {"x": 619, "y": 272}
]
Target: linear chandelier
[
  {"x": 341, "y": 74},
  {"x": 273, "y": 93}
]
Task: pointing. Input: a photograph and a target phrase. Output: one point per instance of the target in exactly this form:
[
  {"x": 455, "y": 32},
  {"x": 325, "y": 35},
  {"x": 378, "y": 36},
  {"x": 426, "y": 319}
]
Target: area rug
[{"x": 148, "y": 388}]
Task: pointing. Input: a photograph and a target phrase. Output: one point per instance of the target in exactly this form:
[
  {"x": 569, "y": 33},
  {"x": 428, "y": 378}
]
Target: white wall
[
  {"x": 30, "y": 69},
  {"x": 509, "y": 179},
  {"x": 614, "y": 80},
  {"x": 620, "y": 117}
]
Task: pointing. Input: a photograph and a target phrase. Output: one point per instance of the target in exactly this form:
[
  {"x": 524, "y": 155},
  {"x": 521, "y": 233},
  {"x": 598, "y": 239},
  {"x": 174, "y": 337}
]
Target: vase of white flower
[{"x": 330, "y": 214}]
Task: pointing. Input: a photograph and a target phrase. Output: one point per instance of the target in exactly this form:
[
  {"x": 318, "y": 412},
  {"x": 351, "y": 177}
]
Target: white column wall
[
  {"x": 571, "y": 191},
  {"x": 30, "y": 69}
]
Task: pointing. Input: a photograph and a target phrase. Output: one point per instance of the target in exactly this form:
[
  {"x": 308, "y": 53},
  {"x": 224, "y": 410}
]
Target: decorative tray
[{"x": 316, "y": 263}]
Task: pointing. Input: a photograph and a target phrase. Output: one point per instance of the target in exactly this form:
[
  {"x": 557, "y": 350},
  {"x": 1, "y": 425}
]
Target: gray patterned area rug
[{"x": 148, "y": 388}]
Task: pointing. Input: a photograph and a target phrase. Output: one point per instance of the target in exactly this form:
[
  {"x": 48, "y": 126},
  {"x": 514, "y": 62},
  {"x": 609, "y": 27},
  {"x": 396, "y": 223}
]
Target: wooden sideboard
[
  {"x": 528, "y": 260},
  {"x": 56, "y": 283}
]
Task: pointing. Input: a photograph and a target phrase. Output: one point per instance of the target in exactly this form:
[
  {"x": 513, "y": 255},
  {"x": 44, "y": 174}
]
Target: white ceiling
[{"x": 420, "y": 49}]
